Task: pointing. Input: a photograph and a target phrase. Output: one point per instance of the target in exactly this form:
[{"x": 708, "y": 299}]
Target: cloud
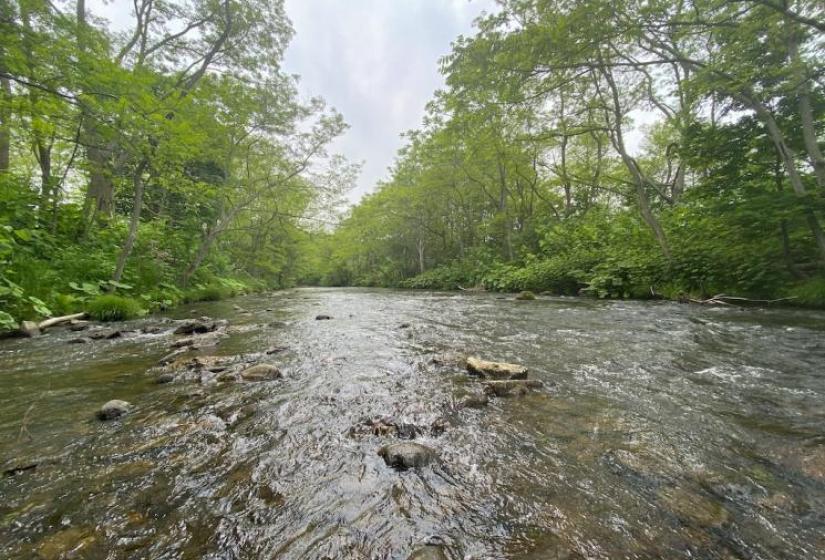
[{"x": 376, "y": 61}]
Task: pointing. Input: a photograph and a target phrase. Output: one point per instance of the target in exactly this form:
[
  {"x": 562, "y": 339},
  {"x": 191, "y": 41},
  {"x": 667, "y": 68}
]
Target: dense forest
[
  {"x": 619, "y": 148},
  {"x": 171, "y": 161}
]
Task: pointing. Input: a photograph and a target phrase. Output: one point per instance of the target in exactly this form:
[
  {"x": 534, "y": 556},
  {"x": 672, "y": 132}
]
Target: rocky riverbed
[{"x": 351, "y": 424}]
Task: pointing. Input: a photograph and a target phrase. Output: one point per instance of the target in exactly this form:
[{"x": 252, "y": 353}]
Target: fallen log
[
  {"x": 722, "y": 299},
  {"x": 60, "y": 320}
]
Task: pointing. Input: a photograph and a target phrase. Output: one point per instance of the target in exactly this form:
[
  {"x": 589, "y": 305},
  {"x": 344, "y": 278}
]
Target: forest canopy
[{"x": 528, "y": 172}]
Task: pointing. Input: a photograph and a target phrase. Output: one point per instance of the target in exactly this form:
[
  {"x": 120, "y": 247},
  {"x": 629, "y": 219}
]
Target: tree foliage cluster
[
  {"x": 173, "y": 159},
  {"x": 529, "y": 172}
]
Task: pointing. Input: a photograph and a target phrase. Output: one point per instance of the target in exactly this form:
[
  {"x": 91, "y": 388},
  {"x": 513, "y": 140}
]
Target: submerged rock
[
  {"x": 428, "y": 552},
  {"x": 164, "y": 378},
  {"x": 496, "y": 370},
  {"x": 510, "y": 387},
  {"x": 526, "y": 296},
  {"x": 79, "y": 340},
  {"x": 407, "y": 455},
  {"x": 474, "y": 401},
  {"x": 261, "y": 372},
  {"x": 694, "y": 508},
  {"x": 113, "y": 409},
  {"x": 323, "y": 317}
]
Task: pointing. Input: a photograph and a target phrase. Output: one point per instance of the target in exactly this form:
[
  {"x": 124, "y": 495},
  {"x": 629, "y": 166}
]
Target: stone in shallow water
[
  {"x": 474, "y": 401},
  {"x": 496, "y": 370},
  {"x": 261, "y": 372},
  {"x": 694, "y": 508},
  {"x": 428, "y": 552},
  {"x": 510, "y": 387},
  {"x": 113, "y": 409},
  {"x": 323, "y": 317},
  {"x": 407, "y": 455}
]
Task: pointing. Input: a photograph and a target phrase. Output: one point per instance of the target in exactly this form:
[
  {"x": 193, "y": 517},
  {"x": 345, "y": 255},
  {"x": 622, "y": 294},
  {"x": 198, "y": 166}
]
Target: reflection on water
[{"x": 662, "y": 431}]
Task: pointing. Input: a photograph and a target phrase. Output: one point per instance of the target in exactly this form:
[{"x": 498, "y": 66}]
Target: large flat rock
[{"x": 496, "y": 370}]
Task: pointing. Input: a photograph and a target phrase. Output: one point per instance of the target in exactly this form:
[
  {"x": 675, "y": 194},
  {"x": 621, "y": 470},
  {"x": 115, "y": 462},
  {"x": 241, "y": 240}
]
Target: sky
[{"x": 376, "y": 62}]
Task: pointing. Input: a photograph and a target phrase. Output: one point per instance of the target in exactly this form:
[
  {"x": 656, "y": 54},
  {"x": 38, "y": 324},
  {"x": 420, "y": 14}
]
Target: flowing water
[{"x": 662, "y": 431}]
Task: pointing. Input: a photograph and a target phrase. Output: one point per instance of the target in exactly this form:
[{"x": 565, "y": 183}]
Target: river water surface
[{"x": 662, "y": 431}]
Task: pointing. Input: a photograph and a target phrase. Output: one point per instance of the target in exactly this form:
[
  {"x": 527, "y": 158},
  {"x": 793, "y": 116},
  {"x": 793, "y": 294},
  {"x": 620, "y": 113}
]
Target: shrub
[
  {"x": 210, "y": 292},
  {"x": 110, "y": 307}
]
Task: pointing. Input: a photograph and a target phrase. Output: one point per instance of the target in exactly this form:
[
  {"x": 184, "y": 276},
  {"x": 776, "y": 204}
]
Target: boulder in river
[
  {"x": 164, "y": 378},
  {"x": 107, "y": 334},
  {"x": 199, "y": 326},
  {"x": 29, "y": 328},
  {"x": 510, "y": 387},
  {"x": 113, "y": 409},
  {"x": 261, "y": 372},
  {"x": 407, "y": 455},
  {"x": 496, "y": 370}
]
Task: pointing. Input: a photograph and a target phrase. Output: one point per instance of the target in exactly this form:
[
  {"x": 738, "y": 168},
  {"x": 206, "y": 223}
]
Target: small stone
[
  {"x": 323, "y": 317},
  {"x": 261, "y": 372},
  {"x": 79, "y": 340},
  {"x": 29, "y": 328},
  {"x": 113, "y": 409},
  {"x": 276, "y": 350},
  {"x": 496, "y": 370},
  {"x": 438, "y": 427},
  {"x": 164, "y": 378},
  {"x": 76, "y": 325},
  {"x": 404, "y": 326},
  {"x": 407, "y": 455}
]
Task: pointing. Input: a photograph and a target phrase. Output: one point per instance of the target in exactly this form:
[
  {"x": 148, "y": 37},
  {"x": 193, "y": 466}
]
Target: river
[{"x": 661, "y": 431}]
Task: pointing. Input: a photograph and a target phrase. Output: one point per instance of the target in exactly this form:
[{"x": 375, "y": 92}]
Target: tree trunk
[
  {"x": 134, "y": 222},
  {"x": 639, "y": 180},
  {"x": 806, "y": 114},
  {"x": 5, "y": 124}
]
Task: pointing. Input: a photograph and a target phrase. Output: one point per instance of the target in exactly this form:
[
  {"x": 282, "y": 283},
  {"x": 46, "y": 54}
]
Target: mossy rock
[{"x": 525, "y": 296}]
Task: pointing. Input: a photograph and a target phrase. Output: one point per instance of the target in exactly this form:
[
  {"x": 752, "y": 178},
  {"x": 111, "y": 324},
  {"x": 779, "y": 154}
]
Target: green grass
[{"x": 113, "y": 308}]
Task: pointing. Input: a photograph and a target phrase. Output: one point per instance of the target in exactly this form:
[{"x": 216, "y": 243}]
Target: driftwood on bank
[
  {"x": 54, "y": 321},
  {"x": 722, "y": 299},
  {"x": 30, "y": 328}
]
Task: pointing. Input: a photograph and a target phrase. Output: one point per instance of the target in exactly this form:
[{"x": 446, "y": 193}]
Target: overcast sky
[{"x": 376, "y": 61}]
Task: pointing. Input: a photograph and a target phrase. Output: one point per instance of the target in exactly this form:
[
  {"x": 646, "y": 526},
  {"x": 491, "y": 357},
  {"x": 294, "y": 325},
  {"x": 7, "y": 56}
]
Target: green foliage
[
  {"x": 810, "y": 293},
  {"x": 110, "y": 307}
]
